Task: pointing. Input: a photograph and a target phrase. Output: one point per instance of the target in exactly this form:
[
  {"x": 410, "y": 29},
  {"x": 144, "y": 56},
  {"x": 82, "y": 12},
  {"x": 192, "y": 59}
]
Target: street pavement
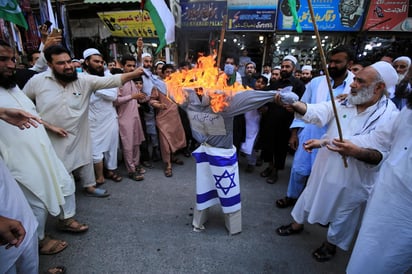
[{"x": 145, "y": 227}]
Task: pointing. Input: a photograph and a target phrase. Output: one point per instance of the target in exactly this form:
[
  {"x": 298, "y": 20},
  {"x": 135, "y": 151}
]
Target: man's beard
[
  {"x": 305, "y": 80},
  {"x": 94, "y": 71},
  {"x": 65, "y": 78},
  {"x": 335, "y": 72},
  {"x": 8, "y": 82},
  {"x": 363, "y": 95},
  {"x": 400, "y": 77},
  {"x": 285, "y": 74}
]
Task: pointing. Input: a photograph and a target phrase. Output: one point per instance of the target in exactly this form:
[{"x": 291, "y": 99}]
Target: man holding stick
[{"x": 336, "y": 195}]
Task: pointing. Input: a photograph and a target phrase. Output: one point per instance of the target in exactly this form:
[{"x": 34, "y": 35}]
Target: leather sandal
[
  {"x": 50, "y": 246},
  {"x": 168, "y": 172},
  {"x": 325, "y": 252},
  {"x": 136, "y": 176},
  {"x": 71, "y": 225},
  {"x": 285, "y": 202},
  {"x": 287, "y": 230}
]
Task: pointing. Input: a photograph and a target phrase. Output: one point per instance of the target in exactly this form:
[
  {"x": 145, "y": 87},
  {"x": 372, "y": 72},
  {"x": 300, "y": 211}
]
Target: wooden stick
[
  {"x": 323, "y": 60},
  {"x": 222, "y": 37}
]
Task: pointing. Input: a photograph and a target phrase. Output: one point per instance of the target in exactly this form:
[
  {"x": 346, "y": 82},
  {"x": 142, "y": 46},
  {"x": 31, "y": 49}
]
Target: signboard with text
[
  {"x": 248, "y": 15},
  {"x": 134, "y": 23},
  {"x": 389, "y": 15},
  {"x": 330, "y": 15},
  {"x": 204, "y": 15}
]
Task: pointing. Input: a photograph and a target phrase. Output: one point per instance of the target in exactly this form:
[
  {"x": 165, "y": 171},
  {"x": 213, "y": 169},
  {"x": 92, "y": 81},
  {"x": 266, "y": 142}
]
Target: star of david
[{"x": 225, "y": 175}]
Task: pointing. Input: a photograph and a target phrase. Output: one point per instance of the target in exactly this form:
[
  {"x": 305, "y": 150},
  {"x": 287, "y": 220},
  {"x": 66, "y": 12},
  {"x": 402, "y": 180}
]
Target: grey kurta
[{"x": 67, "y": 107}]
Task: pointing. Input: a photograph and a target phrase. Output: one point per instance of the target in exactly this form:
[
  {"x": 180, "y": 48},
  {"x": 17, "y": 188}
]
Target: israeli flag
[{"x": 217, "y": 178}]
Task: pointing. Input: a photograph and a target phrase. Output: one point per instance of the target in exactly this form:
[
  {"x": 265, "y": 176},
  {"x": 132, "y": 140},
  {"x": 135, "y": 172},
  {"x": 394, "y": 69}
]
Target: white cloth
[
  {"x": 67, "y": 107},
  {"x": 13, "y": 205},
  {"x": 217, "y": 178},
  {"x": 104, "y": 127},
  {"x": 335, "y": 194},
  {"x": 252, "y": 119},
  {"x": 30, "y": 156},
  {"x": 384, "y": 243}
]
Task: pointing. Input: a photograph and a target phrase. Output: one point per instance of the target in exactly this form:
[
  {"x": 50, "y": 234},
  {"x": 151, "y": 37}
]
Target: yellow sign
[{"x": 133, "y": 23}]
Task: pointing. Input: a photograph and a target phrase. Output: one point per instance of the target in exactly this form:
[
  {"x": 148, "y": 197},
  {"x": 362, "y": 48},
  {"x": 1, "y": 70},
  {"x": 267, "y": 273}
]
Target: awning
[{"x": 110, "y": 1}]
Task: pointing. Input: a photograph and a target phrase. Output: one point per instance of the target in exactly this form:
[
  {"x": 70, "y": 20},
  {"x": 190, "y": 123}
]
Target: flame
[{"x": 204, "y": 78}]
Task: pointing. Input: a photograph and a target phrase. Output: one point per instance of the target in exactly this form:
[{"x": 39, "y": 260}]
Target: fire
[{"x": 205, "y": 78}]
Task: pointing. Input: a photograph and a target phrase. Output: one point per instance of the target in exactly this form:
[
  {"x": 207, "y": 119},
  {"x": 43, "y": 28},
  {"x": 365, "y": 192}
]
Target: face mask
[
  {"x": 229, "y": 69},
  {"x": 79, "y": 70}
]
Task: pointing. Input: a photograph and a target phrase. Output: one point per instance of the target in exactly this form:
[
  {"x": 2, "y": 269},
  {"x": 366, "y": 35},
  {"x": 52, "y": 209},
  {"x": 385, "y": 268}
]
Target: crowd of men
[{"x": 86, "y": 116}]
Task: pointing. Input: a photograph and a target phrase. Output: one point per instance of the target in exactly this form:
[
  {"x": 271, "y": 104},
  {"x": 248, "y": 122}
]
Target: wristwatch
[
  {"x": 350, "y": 11},
  {"x": 287, "y": 17}
]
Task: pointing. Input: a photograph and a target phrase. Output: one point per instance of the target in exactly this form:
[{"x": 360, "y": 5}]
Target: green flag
[
  {"x": 292, "y": 6},
  {"x": 10, "y": 11}
]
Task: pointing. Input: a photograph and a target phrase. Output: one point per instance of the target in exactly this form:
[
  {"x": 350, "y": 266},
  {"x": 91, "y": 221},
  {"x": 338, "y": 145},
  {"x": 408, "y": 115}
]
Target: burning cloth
[{"x": 217, "y": 178}]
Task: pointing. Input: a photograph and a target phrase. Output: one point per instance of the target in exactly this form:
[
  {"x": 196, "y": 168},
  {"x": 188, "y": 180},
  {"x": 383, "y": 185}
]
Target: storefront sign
[
  {"x": 248, "y": 15},
  {"x": 330, "y": 15},
  {"x": 204, "y": 15},
  {"x": 135, "y": 23},
  {"x": 388, "y": 15}
]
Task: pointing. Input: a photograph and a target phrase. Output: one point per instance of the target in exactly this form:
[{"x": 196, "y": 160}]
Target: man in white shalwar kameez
[
  {"x": 62, "y": 100},
  {"x": 17, "y": 221},
  {"x": 384, "y": 243},
  {"x": 336, "y": 195},
  {"x": 45, "y": 182},
  {"x": 104, "y": 126}
]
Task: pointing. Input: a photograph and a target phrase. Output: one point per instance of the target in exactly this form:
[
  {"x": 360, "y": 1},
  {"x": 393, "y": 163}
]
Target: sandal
[
  {"x": 324, "y": 253},
  {"x": 71, "y": 225},
  {"x": 285, "y": 202},
  {"x": 56, "y": 270},
  {"x": 112, "y": 175},
  {"x": 139, "y": 169},
  {"x": 266, "y": 172},
  {"x": 168, "y": 172},
  {"x": 287, "y": 230},
  {"x": 177, "y": 161},
  {"x": 136, "y": 176},
  {"x": 50, "y": 246}
]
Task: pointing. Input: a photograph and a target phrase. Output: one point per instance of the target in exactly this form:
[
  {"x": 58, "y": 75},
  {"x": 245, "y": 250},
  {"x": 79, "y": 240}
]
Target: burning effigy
[{"x": 204, "y": 79}]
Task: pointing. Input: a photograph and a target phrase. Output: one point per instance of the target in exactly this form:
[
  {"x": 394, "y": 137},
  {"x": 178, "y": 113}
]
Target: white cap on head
[
  {"x": 145, "y": 54},
  {"x": 387, "y": 73},
  {"x": 90, "y": 51},
  {"x": 403, "y": 58},
  {"x": 307, "y": 67},
  {"x": 291, "y": 58}
]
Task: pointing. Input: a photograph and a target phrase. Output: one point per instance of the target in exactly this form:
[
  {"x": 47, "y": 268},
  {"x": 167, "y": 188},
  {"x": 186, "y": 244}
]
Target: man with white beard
[
  {"x": 336, "y": 195},
  {"x": 403, "y": 87}
]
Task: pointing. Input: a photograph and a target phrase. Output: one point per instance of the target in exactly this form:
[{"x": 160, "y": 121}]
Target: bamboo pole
[
  {"x": 222, "y": 37},
  {"x": 323, "y": 60}
]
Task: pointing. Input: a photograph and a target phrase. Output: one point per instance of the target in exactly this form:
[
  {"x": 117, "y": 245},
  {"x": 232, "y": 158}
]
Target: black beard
[
  {"x": 336, "y": 73},
  {"x": 65, "y": 78},
  {"x": 8, "y": 82},
  {"x": 96, "y": 72},
  {"x": 285, "y": 74},
  {"x": 305, "y": 80}
]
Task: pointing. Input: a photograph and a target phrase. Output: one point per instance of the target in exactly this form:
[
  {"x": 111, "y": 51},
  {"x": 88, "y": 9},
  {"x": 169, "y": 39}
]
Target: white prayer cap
[
  {"x": 276, "y": 67},
  {"x": 90, "y": 51},
  {"x": 387, "y": 73},
  {"x": 307, "y": 67},
  {"x": 291, "y": 58},
  {"x": 404, "y": 59},
  {"x": 145, "y": 54}
]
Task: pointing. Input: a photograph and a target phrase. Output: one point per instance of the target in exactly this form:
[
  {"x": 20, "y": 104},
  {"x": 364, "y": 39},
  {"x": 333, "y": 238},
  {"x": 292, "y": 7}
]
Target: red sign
[{"x": 388, "y": 15}]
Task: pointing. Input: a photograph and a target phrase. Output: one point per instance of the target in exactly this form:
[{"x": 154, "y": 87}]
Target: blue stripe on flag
[
  {"x": 215, "y": 160},
  {"x": 226, "y": 202},
  {"x": 201, "y": 198}
]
